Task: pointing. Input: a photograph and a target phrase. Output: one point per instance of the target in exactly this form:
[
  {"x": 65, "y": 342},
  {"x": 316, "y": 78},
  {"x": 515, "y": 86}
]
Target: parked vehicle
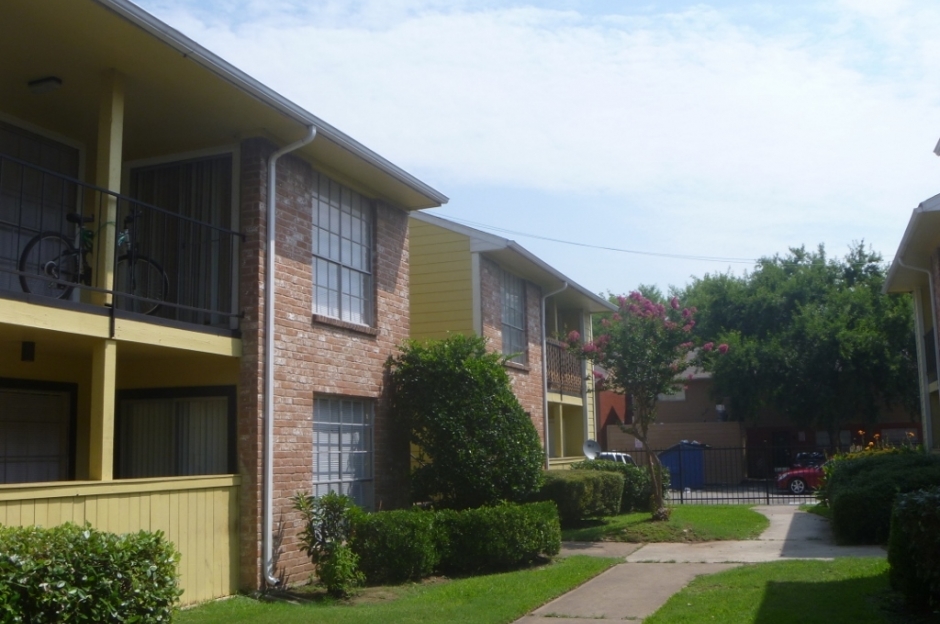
[
  {"x": 620, "y": 458},
  {"x": 800, "y": 480}
]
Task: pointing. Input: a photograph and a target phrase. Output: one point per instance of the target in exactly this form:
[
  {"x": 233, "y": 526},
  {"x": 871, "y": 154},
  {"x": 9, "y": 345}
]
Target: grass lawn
[
  {"x": 844, "y": 590},
  {"x": 688, "y": 523},
  {"x": 490, "y": 599}
]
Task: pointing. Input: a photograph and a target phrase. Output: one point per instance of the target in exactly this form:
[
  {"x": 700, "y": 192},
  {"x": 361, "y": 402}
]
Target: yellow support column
[
  {"x": 101, "y": 433},
  {"x": 108, "y": 175}
]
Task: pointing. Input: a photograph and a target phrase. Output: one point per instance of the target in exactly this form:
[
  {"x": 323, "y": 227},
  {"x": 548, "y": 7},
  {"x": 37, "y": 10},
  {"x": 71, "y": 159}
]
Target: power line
[{"x": 617, "y": 249}]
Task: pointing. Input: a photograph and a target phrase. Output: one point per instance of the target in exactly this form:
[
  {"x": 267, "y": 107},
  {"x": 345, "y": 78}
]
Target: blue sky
[{"x": 713, "y": 131}]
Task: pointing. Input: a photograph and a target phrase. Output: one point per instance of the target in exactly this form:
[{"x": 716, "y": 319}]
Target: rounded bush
[
  {"x": 914, "y": 548},
  {"x": 637, "y": 485}
]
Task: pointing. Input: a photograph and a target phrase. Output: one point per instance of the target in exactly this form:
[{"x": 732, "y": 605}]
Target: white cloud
[{"x": 699, "y": 118}]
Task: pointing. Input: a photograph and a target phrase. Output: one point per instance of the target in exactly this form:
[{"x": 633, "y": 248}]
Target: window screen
[
  {"x": 34, "y": 436},
  {"x": 342, "y": 449},
  {"x": 342, "y": 253},
  {"x": 513, "y": 296}
]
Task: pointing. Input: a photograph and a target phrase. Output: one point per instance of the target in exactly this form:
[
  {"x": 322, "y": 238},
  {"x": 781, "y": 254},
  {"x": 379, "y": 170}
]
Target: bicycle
[{"x": 52, "y": 266}]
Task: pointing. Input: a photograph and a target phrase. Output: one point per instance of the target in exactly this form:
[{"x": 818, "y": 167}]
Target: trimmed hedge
[
  {"x": 79, "y": 574},
  {"x": 914, "y": 548},
  {"x": 637, "y": 486},
  {"x": 489, "y": 539},
  {"x": 861, "y": 490},
  {"x": 397, "y": 546},
  {"x": 581, "y": 494}
]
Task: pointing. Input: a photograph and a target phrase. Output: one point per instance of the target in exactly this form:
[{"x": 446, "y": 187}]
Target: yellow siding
[
  {"x": 198, "y": 514},
  {"x": 440, "y": 282}
]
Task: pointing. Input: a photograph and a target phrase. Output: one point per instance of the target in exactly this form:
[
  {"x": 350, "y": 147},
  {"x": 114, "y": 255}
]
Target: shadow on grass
[{"x": 860, "y": 601}]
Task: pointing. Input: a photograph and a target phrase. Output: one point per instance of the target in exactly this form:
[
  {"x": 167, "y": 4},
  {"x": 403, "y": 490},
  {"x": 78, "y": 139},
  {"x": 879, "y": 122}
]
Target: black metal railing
[
  {"x": 700, "y": 473},
  {"x": 165, "y": 264},
  {"x": 564, "y": 369}
]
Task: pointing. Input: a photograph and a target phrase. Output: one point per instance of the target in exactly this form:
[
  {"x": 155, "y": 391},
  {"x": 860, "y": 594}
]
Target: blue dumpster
[{"x": 686, "y": 464}]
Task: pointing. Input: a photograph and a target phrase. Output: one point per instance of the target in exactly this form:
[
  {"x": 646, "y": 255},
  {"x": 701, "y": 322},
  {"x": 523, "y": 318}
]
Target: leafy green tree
[
  {"x": 811, "y": 337},
  {"x": 475, "y": 444},
  {"x": 644, "y": 347}
]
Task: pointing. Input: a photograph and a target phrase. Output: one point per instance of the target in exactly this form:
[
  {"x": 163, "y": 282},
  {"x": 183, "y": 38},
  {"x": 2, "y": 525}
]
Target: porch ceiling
[{"x": 175, "y": 101}]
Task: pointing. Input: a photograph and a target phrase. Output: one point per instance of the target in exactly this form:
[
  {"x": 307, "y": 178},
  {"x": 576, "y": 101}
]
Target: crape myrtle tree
[
  {"x": 812, "y": 337},
  {"x": 644, "y": 348},
  {"x": 474, "y": 443}
]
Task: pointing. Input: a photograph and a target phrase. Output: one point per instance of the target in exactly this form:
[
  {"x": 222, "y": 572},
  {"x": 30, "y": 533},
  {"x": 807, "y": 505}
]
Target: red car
[{"x": 800, "y": 480}]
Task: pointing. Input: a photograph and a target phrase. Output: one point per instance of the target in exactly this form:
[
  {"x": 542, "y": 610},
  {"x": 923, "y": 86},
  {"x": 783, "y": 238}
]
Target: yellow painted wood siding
[
  {"x": 198, "y": 514},
  {"x": 441, "y": 282}
]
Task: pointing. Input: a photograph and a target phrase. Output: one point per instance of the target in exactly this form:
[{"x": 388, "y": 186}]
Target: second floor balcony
[
  {"x": 170, "y": 259},
  {"x": 565, "y": 370}
]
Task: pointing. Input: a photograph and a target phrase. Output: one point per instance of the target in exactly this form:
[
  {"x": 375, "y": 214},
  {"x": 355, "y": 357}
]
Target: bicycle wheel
[
  {"x": 142, "y": 278},
  {"x": 50, "y": 266}
]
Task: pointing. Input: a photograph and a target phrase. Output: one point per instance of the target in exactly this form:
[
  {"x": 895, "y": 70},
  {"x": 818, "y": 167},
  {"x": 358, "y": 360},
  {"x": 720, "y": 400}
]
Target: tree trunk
[{"x": 654, "y": 467}]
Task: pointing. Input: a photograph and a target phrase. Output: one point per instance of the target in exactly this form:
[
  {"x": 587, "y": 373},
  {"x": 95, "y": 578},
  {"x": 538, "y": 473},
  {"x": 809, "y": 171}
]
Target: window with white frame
[
  {"x": 175, "y": 433},
  {"x": 513, "y": 312},
  {"x": 342, "y": 449},
  {"x": 342, "y": 252}
]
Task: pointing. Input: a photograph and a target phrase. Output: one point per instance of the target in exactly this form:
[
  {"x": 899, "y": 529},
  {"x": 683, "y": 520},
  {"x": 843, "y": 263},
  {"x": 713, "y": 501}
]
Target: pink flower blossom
[
  {"x": 598, "y": 375},
  {"x": 590, "y": 348},
  {"x": 617, "y": 318},
  {"x": 674, "y": 302},
  {"x": 686, "y": 313},
  {"x": 605, "y": 322},
  {"x": 691, "y": 376},
  {"x": 687, "y": 327},
  {"x": 686, "y": 345},
  {"x": 669, "y": 324},
  {"x": 722, "y": 348},
  {"x": 574, "y": 336},
  {"x": 708, "y": 346}
]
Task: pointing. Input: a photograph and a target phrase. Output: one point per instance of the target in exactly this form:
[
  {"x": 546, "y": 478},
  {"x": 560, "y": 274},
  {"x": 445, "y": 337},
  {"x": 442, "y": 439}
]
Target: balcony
[
  {"x": 564, "y": 369},
  {"x": 67, "y": 243}
]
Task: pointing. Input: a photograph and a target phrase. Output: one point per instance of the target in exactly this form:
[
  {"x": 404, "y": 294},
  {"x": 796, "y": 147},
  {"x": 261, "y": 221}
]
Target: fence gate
[{"x": 771, "y": 475}]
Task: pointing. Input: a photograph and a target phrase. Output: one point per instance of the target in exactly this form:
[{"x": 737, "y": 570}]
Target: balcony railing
[
  {"x": 564, "y": 369},
  {"x": 165, "y": 264}
]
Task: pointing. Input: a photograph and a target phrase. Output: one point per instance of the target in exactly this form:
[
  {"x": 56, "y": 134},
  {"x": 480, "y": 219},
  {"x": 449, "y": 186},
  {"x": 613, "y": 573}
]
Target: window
[
  {"x": 513, "y": 295},
  {"x": 31, "y": 200},
  {"x": 188, "y": 236},
  {"x": 342, "y": 253},
  {"x": 175, "y": 433},
  {"x": 342, "y": 449},
  {"x": 36, "y": 432}
]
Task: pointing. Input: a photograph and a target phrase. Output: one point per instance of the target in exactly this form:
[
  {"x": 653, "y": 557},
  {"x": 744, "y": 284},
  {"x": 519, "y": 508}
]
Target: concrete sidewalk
[{"x": 652, "y": 573}]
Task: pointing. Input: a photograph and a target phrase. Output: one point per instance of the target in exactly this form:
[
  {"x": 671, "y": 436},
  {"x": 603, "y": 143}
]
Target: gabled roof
[
  {"x": 514, "y": 257},
  {"x": 920, "y": 239},
  {"x": 179, "y": 95}
]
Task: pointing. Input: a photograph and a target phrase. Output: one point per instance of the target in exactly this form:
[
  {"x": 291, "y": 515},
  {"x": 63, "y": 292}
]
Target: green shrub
[
  {"x": 637, "y": 485},
  {"x": 79, "y": 574},
  {"x": 396, "y": 546},
  {"x": 914, "y": 547},
  {"x": 490, "y": 539},
  {"x": 581, "y": 494},
  {"x": 861, "y": 490},
  {"x": 327, "y": 522},
  {"x": 476, "y": 445}
]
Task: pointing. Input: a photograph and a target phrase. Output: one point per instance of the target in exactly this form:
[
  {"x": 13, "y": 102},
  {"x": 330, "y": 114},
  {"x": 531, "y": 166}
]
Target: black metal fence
[
  {"x": 166, "y": 264},
  {"x": 762, "y": 475}
]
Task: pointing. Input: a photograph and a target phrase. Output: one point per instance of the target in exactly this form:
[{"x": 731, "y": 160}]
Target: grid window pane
[
  {"x": 342, "y": 449},
  {"x": 513, "y": 312},
  {"x": 342, "y": 253}
]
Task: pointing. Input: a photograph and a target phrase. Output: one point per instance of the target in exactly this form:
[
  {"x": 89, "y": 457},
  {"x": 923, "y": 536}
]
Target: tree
[
  {"x": 811, "y": 337},
  {"x": 475, "y": 444},
  {"x": 644, "y": 347}
]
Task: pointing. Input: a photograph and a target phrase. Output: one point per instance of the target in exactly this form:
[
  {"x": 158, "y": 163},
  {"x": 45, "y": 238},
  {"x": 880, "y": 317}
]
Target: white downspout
[
  {"x": 268, "y": 497},
  {"x": 545, "y": 372},
  {"x": 925, "y": 392}
]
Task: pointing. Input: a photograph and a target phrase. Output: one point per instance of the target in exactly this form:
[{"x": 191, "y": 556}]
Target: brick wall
[
  {"x": 526, "y": 379},
  {"x": 314, "y": 356}
]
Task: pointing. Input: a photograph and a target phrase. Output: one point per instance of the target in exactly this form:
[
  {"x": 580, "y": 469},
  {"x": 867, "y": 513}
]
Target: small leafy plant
[{"x": 327, "y": 521}]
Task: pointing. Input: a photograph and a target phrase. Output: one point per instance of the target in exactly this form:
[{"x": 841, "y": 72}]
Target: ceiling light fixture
[{"x": 44, "y": 85}]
